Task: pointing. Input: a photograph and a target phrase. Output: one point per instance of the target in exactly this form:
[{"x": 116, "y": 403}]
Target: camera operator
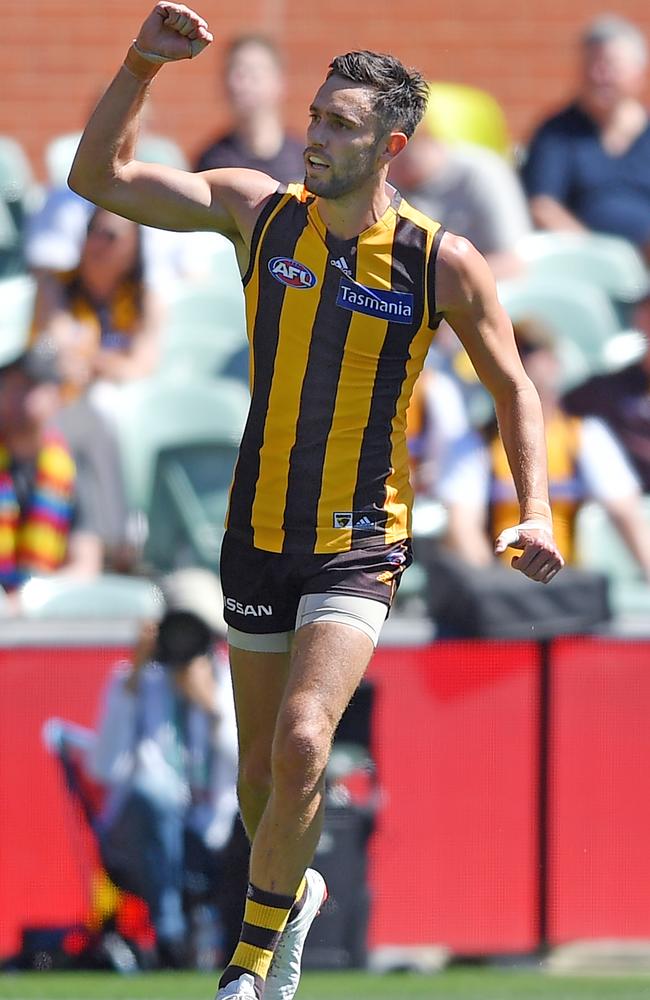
[{"x": 167, "y": 751}]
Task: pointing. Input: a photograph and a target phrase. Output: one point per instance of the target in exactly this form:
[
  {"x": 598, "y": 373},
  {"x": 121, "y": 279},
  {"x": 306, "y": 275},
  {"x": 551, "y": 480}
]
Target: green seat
[
  {"x": 9, "y": 234},
  {"x": 600, "y": 547},
  {"x": 17, "y": 297},
  {"x": 166, "y": 412},
  {"x": 578, "y": 314},
  {"x": 201, "y": 352},
  {"x": 108, "y": 596},
  {"x": 179, "y": 439},
  {"x": 161, "y": 149},
  {"x": 457, "y": 112},
  {"x": 16, "y": 178},
  {"x": 204, "y": 327},
  {"x": 610, "y": 262},
  {"x": 17, "y": 197},
  {"x": 60, "y": 152},
  {"x": 188, "y": 505}
]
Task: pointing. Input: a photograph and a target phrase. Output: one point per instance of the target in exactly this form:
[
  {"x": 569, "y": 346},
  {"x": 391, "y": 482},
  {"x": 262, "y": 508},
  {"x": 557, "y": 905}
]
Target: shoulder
[{"x": 463, "y": 276}]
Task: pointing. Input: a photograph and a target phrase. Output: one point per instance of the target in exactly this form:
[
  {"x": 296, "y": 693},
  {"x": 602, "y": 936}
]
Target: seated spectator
[
  {"x": 166, "y": 749},
  {"x": 588, "y": 166},
  {"x": 55, "y": 232},
  {"x": 45, "y": 527},
  {"x": 585, "y": 462},
  {"x": 100, "y": 318},
  {"x": 471, "y": 190},
  {"x": 55, "y": 235},
  {"x": 622, "y": 400},
  {"x": 255, "y": 90}
]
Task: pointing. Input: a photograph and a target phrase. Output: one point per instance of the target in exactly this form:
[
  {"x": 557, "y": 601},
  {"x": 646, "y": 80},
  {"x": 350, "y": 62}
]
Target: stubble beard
[{"x": 333, "y": 187}]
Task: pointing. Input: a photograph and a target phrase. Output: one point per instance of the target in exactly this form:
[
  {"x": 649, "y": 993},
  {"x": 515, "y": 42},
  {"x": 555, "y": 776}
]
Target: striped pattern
[
  {"x": 35, "y": 540},
  {"x": 265, "y": 916},
  {"x": 330, "y": 384}
]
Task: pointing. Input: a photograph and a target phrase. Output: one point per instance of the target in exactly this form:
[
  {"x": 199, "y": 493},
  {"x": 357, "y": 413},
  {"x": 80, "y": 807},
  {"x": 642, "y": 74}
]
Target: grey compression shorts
[{"x": 362, "y": 613}]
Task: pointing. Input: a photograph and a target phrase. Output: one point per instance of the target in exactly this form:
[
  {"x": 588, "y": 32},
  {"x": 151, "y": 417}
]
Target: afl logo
[{"x": 292, "y": 273}]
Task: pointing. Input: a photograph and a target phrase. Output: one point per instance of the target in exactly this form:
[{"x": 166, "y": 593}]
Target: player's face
[{"x": 344, "y": 139}]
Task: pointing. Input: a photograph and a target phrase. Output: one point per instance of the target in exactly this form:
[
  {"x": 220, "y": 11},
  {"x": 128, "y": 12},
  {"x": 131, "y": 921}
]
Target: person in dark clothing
[
  {"x": 588, "y": 167},
  {"x": 255, "y": 88},
  {"x": 622, "y": 399}
]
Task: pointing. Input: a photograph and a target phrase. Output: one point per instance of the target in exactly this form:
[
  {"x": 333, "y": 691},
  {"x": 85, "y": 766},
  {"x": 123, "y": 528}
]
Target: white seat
[{"x": 107, "y": 596}]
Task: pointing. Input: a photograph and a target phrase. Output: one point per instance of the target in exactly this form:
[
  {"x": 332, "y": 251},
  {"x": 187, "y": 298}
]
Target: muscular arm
[
  {"x": 466, "y": 294},
  {"x": 105, "y": 170}
]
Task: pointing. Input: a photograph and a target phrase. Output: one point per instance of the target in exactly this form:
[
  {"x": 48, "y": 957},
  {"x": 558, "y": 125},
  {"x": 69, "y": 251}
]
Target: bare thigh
[
  {"x": 259, "y": 681},
  {"x": 328, "y": 661}
]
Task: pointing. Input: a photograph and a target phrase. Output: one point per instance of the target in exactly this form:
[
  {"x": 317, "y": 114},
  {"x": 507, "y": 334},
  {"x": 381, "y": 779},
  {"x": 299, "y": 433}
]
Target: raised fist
[{"x": 172, "y": 31}]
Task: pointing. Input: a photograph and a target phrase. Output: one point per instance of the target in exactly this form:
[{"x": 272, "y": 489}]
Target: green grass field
[{"x": 458, "y": 984}]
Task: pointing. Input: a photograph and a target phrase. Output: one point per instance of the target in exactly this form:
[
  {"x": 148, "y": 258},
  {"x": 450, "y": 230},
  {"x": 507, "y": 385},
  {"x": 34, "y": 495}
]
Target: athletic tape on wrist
[
  {"x": 152, "y": 57},
  {"x": 139, "y": 66},
  {"x": 511, "y": 535}
]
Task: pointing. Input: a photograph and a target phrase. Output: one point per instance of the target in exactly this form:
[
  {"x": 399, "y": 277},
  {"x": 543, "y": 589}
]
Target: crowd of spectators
[
  {"x": 166, "y": 746},
  {"x": 102, "y": 285}
]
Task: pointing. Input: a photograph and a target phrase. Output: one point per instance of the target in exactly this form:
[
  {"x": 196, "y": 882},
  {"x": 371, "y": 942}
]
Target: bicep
[
  {"x": 159, "y": 196},
  {"x": 167, "y": 198}
]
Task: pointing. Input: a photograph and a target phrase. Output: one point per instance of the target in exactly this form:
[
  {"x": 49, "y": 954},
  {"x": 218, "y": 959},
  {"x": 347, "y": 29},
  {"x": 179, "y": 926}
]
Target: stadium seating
[
  {"x": 578, "y": 313},
  {"x": 17, "y": 297},
  {"x": 179, "y": 439},
  {"x": 17, "y": 193},
  {"x": 610, "y": 262},
  {"x": 600, "y": 547},
  {"x": 460, "y": 113},
  {"x": 204, "y": 326},
  {"x": 60, "y": 152},
  {"x": 107, "y": 596}
]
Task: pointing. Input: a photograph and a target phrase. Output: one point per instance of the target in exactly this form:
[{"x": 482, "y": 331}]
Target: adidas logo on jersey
[{"x": 342, "y": 265}]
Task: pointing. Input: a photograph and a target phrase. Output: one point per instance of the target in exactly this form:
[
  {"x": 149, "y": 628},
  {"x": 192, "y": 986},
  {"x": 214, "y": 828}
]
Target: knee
[
  {"x": 255, "y": 778},
  {"x": 300, "y": 750}
]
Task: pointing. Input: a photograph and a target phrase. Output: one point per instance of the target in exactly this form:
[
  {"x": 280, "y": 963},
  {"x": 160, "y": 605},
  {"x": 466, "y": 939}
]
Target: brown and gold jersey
[{"x": 338, "y": 330}]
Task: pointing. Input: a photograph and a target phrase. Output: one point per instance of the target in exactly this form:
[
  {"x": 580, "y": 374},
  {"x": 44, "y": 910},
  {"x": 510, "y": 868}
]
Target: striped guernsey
[{"x": 338, "y": 330}]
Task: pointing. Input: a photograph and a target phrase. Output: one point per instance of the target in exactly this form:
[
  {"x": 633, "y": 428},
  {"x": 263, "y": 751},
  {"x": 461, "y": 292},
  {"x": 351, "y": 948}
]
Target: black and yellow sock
[
  {"x": 265, "y": 917},
  {"x": 299, "y": 901}
]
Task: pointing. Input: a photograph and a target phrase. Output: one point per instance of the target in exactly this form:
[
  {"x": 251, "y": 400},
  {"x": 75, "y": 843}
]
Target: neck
[
  {"x": 350, "y": 215},
  {"x": 261, "y": 135}
]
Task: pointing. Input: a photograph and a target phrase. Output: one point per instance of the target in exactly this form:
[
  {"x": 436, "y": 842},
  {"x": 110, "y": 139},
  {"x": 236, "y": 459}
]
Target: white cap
[{"x": 198, "y": 591}]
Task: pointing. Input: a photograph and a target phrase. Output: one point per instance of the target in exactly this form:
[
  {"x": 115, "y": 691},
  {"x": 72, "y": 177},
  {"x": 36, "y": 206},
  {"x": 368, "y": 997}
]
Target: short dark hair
[{"x": 401, "y": 94}]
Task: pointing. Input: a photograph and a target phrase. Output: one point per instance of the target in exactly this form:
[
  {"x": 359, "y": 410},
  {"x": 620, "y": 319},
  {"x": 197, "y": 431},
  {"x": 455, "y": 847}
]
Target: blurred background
[{"x": 486, "y": 794}]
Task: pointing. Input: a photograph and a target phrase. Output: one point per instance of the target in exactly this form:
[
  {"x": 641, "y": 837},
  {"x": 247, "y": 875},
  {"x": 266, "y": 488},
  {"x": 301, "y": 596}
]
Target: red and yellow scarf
[{"x": 35, "y": 539}]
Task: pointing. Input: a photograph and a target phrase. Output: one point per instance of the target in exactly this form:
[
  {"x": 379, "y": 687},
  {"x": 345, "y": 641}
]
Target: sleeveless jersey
[{"x": 338, "y": 331}]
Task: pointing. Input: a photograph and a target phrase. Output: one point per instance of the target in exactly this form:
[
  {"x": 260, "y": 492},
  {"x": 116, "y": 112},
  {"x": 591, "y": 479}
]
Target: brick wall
[{"x": 56, "y": 55}]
